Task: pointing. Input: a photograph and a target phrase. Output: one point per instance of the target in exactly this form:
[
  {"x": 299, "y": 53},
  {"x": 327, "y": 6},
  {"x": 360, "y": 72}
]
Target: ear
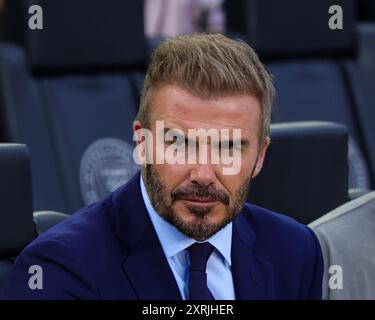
[
  {"x": 261, "y": 157},
  {"x": 139, "y": 153}
]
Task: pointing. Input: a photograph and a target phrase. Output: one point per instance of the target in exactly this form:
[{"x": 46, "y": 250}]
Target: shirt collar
[{"x": 173, "y": 241}]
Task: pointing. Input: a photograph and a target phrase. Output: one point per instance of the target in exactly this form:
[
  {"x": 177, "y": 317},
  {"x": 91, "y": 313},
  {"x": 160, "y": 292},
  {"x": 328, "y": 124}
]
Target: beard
[{"x": 200, "y": 229}]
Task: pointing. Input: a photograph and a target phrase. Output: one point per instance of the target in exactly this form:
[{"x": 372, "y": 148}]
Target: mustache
[{"x": 203, "y": 192}]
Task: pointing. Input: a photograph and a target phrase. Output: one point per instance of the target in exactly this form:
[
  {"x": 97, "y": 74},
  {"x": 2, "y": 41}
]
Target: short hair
[{"x": 208, "y": 65}]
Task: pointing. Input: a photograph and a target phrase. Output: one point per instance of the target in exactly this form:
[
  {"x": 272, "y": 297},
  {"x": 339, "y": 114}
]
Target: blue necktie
[{"x": 198, "y": 255}]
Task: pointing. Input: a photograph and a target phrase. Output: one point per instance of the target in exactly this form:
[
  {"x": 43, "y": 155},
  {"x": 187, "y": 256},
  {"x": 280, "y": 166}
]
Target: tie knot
[{"x": 199, "y": 254}]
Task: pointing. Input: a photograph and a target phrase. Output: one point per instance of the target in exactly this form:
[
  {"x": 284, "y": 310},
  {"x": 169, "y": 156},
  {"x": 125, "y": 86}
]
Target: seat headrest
[
  {"x": 16, "y": 207},
  {"x": 87, "y": 35},
  {"x": 292, "y": 28},
  {"x": 305, "y": 172}
]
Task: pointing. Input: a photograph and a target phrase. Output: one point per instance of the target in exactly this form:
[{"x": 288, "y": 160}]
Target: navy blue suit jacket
[{"x": 110, "y": 250}]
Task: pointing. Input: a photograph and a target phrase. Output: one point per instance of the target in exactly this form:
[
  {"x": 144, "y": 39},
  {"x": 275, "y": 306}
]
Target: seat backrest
[
  {"x": 305, "y": 170},
  {"x": 70, "y": 87},
  {"x": 361, "y": 76},
  {"x": 16, "y": 209},
  {"x": 305, "y": 58},
  {"x": 346, "y": 236}
]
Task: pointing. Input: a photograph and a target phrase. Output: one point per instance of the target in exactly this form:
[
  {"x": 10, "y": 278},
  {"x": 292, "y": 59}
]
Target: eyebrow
[{"x": 244, "y": 142}]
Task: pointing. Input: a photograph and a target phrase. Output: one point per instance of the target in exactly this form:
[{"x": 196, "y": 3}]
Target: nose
[{"x": 203, "y": 174}]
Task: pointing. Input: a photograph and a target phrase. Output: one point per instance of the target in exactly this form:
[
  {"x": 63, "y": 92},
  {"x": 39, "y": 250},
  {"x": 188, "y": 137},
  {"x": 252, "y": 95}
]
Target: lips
[{"x": 200, "y": 200}]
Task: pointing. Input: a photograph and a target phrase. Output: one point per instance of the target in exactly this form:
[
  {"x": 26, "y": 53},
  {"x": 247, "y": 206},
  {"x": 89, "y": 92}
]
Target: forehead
[{"x": 181, "y": 109}]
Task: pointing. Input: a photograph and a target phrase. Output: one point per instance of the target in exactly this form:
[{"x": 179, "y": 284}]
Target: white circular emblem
[{"x": 106, "y": 165}]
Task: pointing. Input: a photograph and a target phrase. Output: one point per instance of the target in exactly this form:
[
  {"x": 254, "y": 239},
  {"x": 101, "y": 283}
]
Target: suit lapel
[
  {"x": 148, "y": 271},
  {"x": 252, "y": 275},
  {"x": 145, "y": 266}
]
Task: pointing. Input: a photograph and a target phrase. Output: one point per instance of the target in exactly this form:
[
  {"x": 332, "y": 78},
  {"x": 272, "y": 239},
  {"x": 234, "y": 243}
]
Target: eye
[
  {"x": 177, "y": 140},
  {"x": 227, "y": 145}
]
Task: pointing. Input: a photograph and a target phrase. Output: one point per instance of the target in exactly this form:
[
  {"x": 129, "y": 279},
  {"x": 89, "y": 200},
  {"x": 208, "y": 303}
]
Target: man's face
[{"x": 199, "y": 199}]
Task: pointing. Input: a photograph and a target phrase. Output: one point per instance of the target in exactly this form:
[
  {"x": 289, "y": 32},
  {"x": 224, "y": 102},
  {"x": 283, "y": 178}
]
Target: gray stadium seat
[
  {"x": 361, "y": 77},
  {"x": 18, "y": 224},
  {"x": 306, "y": 59},
  {"x": 347, "y": 238},
  {"x": 70, "y": 86}
]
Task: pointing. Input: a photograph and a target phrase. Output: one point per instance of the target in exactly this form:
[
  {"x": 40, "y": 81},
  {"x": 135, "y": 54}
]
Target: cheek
[
  {"x": 172, "y": 175},
  {"x": 248, "y": 160},
  {"x": 233, "y": 182}
]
